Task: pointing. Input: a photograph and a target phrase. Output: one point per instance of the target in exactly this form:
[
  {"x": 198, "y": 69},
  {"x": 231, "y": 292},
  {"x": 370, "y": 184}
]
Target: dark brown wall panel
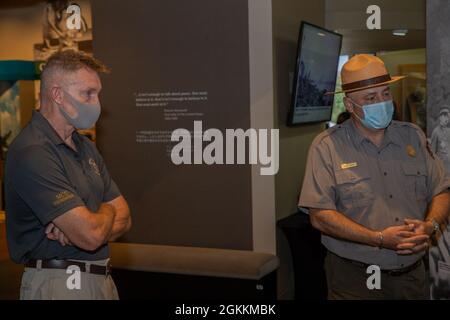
[{"x": 175, "y": 46}]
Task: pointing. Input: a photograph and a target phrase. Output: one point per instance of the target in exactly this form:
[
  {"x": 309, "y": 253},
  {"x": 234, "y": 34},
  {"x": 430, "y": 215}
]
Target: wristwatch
[{"x": 436, "y": 226}]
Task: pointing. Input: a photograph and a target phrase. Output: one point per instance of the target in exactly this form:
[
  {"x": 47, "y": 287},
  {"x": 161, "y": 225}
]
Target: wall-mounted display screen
[{"x": 317, "y": 64}]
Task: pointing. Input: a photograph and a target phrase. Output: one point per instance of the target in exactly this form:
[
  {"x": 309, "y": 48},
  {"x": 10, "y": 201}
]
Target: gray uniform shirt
[
  {"x": 44, "y": 179},
  {"x": 376, "y": 187}
]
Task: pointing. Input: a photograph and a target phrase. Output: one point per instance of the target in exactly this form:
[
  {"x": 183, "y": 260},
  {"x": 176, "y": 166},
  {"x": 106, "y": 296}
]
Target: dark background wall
[{"x": 174, "y": 46}]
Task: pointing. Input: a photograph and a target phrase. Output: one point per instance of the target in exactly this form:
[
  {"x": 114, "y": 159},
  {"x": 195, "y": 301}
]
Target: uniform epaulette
[
  {"x": 327, "y": 133},
  {"x": 406, "y": 124}
]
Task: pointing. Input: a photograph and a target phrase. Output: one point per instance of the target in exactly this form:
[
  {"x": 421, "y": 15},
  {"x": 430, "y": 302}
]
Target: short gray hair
[{"x": 70, "y": 61}]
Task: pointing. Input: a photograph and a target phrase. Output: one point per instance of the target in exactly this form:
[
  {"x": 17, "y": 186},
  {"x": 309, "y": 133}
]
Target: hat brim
[{"x": 393, "y": 80}]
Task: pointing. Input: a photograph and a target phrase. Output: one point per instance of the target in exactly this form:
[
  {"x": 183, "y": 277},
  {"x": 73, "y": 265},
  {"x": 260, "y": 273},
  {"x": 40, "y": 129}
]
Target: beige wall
[
  {"x": 351, "y": 14},
  {"x": 294, "y": 141},
  {"x": 393, "y": 59},
  {"x": 349, "y": 18}
]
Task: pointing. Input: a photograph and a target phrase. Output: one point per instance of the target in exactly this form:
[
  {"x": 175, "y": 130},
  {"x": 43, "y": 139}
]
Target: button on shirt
[
  {"x": 45, "y": 178},
  {"x": 377, "y": 187}
]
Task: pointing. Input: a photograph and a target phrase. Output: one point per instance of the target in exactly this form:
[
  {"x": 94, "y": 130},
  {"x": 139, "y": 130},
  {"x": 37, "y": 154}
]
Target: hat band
[{"x": 365, "y": 83}]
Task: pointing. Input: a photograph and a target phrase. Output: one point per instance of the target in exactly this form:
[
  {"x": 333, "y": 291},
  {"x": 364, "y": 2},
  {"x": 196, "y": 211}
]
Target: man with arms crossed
[{"x": 62, "y": 207}]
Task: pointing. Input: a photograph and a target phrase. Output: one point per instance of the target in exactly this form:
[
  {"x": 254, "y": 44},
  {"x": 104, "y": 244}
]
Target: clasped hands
[{"x": 410, "y": 238}]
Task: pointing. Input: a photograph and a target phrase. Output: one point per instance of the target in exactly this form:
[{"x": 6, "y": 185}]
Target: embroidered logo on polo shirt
[
  {"x": 63, "y": 196},
  {"x": 94, "y": 166}
]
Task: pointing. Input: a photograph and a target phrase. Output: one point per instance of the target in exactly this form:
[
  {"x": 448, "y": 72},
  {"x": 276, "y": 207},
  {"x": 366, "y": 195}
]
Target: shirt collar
[
  {"x": 39, "y": 120},
  {"x": 353, "y": 132},
  {"x": 391, "y": 135}
]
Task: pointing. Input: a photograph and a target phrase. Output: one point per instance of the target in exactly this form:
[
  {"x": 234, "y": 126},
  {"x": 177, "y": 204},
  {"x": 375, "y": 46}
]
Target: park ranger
[
  {"x": 375, "y": 190},
  {"x": 62, "y": 207}
]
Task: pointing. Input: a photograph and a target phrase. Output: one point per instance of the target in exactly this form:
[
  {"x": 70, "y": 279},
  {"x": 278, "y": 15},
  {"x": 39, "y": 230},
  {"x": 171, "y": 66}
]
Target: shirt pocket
[
  {"x": 354, "y": 188},
  {"x": 415, "y": 182}
]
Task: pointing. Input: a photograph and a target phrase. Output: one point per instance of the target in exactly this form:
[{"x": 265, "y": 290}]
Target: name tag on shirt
[{"x": 349, "y": 165}]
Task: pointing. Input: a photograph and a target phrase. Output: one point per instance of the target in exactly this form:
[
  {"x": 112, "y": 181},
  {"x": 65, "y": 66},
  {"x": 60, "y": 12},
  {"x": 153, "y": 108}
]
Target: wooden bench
[{"x": 175, "y": 272}]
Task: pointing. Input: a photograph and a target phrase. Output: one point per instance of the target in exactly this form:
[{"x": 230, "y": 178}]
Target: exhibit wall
[
  {"x": 175, "y": 63},
  {"x": 22, "y": 26}
]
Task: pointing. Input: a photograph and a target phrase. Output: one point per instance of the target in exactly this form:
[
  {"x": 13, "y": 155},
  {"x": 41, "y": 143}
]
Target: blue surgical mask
[
  {"x": 376, "y": 115},
  {"x": 87, "y": 114}
]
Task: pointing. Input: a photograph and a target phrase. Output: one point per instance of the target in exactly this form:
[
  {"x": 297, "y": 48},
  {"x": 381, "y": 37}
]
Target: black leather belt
[
  {"x": 391, "y": 272},
  {"x": 64, "y": 264}
]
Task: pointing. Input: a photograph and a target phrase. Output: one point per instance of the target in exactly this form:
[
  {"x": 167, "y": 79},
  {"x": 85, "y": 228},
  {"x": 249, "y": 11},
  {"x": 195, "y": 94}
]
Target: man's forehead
[
  {"x": 84, "y": 78},
  {"x": 371, "y": 91}
]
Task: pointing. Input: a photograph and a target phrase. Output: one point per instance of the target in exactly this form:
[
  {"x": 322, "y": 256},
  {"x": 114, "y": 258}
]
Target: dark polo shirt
[{"x": 44, "y": 178}]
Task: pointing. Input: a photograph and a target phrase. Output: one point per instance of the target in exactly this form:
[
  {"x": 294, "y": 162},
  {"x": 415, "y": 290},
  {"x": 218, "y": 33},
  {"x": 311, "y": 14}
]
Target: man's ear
[
  {"x": 348, "y": 104},
  {"x": 56, "y": 94}
]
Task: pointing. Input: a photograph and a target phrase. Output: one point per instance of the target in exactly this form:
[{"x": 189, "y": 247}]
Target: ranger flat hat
[{"x": 364, "y": 71}]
